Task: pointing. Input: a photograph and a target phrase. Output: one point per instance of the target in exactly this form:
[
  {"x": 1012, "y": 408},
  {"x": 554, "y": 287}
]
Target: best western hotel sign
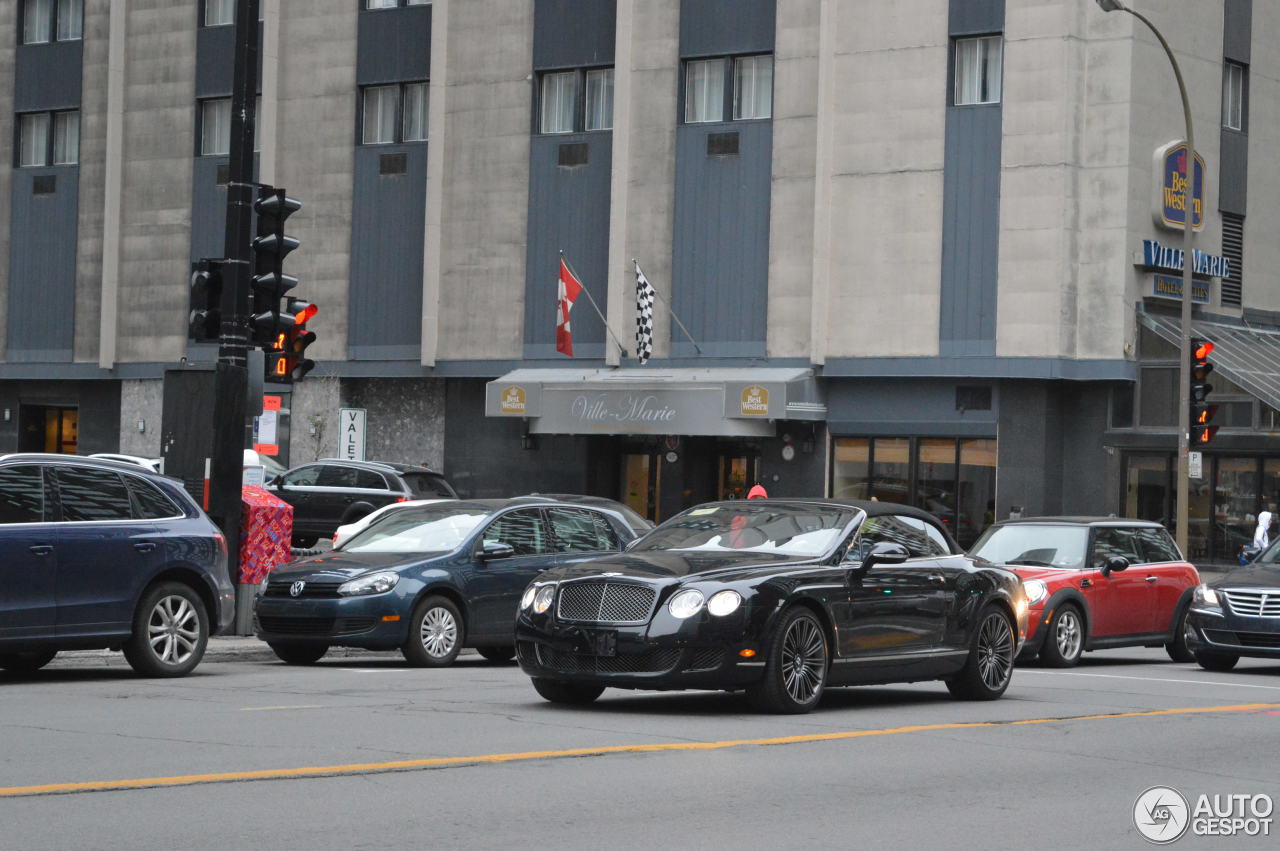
[{"x": 1170, "y": 184}]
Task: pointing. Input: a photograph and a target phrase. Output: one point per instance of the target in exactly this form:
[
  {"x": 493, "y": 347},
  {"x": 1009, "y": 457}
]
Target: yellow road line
[{"x": 451, "y": 761}]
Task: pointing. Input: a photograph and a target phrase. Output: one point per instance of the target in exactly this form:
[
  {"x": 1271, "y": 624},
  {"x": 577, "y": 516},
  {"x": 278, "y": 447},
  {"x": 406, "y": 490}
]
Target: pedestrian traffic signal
[
  {"x": 205, "y": 321},
  {"x": 1201, "y": 411},
  {"x": 287, "y": 361},
  {"x": 270, "y": 283}
]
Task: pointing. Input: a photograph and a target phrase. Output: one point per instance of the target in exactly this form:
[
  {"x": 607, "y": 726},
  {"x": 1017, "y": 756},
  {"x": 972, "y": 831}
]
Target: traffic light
[
  {"x": 287, "y": 361},
  {"x": 204, "y": 324},
  {"x": 1201, "y": 411},
  {"x": 270, "y": 283}
]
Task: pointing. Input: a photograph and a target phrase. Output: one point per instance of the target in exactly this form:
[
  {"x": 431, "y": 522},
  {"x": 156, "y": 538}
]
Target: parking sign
[{"x": 351, "y": 423}]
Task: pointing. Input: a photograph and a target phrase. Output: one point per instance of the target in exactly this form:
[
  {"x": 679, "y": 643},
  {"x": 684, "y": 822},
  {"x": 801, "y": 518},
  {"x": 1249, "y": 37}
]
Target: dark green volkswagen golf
[{"x": 432, "y": 579}]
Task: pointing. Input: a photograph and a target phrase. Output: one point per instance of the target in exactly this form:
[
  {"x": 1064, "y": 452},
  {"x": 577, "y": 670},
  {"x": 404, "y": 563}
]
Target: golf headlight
[
  {"x": 1206, "y": 596},
  {"x": 542, "y": 600},
  {"x": 374, "y": 583},
  {"x": 527, "y": 600},
  {"x": 262, "y": 586},
  {"x": 1036, "y": 590},
  {"x": 686, "y": 603},
  {"x": 724, "y": 603}
]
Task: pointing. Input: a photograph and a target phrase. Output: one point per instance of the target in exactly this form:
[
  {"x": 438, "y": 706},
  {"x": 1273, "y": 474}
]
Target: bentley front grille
[
  {"x": 648, "y": 662},
  {"x": 605, "y": 602}
]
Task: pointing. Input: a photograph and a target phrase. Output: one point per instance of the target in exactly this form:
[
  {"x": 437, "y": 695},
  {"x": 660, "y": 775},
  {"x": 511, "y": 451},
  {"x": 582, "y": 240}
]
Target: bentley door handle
[
  {"x": 144, "y": 546},
  {"x": 41, "y": 549},
  {"x": 937, "y": 579}
]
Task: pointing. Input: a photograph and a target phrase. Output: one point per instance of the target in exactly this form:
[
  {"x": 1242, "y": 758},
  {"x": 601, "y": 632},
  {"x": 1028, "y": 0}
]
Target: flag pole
[
  {"x": 621, "y": 348},
  {"x": 671, "y": 309}
]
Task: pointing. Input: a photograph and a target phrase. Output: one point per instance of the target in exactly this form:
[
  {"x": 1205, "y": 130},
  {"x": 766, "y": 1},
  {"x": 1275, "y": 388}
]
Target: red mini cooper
[{"x": 1095, "y": 583}]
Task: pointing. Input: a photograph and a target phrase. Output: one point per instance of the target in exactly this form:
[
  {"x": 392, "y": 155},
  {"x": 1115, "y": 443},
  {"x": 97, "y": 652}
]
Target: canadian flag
[{"x": 569, "y": 289}]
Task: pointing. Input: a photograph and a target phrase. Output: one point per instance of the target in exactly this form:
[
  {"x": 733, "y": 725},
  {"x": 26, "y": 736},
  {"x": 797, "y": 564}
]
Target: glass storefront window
[
  {"x": 1146, "y": 491},
  {"x": 849, "y": 479},
  {"x": 976, "y": 487},
  {"x": 1158, "y": 392},
  {"x": 890, "y": 465},
  {"x": 936, "y": 479},
  {"x": 1234, "y": 506}
]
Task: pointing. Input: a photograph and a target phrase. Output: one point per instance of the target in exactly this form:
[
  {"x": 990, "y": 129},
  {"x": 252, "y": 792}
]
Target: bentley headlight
[
  {"x": 1206, "y": 596},
  {"x": 374, "y": 583},
  {"x": 686, "y": 604},
  {"x": 724, "y": 603},
  {"x": 527, "y": 600},
  {"x": 542, "y": 600},
  {"x": 1036, "y": 590}
]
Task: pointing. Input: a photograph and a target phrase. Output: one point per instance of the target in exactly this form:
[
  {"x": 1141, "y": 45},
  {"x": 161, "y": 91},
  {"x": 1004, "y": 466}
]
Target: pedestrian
[
  {"x": 757, "y": 492},
  {"x": 1262, "y": 535}
]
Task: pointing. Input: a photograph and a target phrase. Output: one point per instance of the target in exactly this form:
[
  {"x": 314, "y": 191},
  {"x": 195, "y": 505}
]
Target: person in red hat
[{"x": 757, "y": 492}]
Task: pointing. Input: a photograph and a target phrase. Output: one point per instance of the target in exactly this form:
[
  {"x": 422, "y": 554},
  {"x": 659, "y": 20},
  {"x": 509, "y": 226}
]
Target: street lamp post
[{"x": 1188, "y": 240}]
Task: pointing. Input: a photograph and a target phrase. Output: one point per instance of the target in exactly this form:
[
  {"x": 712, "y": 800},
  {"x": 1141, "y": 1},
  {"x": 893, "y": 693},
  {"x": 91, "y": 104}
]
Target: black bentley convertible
[{"x": 778, "y": 597}]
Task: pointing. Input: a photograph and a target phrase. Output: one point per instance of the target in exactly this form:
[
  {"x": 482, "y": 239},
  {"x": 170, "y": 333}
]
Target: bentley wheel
[
  {"x": 989, "y": 668},
  {"x": 497, "y": 654},
  {"x": 435, "y": 634},
  {"x": 576, "y": 694},
  {"x": 170, "y": 632},
  {"x": 27, "y": 662},
  {"x": 298, "y": 654},
  {"x": 1216, "y": 661},
  {"x": 1177, "y": 649},
  {"x": 1064, "y": 645},
  {"x": 795, "y": 670}
]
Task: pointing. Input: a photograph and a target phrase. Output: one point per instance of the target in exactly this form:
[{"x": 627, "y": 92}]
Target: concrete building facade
[{"x": 905, "y": 241}]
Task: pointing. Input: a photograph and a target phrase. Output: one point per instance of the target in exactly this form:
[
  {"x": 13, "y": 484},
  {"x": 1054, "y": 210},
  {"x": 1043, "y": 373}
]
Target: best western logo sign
[
  {"x": 512, "y": 400},
  {"x": 1171, "y": 184},
  {"x": 754, "y": 401}
]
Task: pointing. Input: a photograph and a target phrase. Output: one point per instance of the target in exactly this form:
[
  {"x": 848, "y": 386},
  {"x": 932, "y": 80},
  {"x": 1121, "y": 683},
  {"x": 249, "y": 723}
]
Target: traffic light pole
[{"x": 233, "y": 343}]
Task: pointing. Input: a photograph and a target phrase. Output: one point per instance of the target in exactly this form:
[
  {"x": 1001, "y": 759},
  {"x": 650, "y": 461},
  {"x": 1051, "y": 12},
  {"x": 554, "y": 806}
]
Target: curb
[{"x": 235, "y": 649}]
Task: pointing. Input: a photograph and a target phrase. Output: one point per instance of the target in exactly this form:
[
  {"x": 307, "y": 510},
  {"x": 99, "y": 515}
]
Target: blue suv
[{"x": 106, "y": 554}]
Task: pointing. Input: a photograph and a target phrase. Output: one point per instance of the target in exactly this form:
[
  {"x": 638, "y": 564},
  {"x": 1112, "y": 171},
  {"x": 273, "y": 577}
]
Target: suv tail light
[
  {"x": 402, "y": 499},
  {"x": 222, "y": 542}
]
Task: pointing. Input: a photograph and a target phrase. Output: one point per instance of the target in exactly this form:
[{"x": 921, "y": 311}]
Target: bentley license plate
[{"x": 604, "y": 643}]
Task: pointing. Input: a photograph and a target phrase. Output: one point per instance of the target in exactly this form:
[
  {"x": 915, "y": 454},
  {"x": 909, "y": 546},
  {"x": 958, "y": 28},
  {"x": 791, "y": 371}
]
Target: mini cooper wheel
[
  {"x": 498, "y": 654},
  {"x": 298, "y": 654},
  {"x": 576, "y": 694},
  {"x": 795, "y": 670},
  {"x": 435, "y": 634},
  {"x": 170, "y": 632},
  {"x": 1216, "y": 661},
  {"x": 1177, "y": 649},
  {"x": 1064, "y": 645},
  {"x": 987, "y": 672},
  {"x": 27, "y": 662}
]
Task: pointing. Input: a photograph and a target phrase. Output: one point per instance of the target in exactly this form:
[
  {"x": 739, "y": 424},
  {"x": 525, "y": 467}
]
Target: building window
[
  {"x": 394, "y": 113},
  {"x": 44, "y": 21},
  {"x": 373, "y": 5},
  {"x": 563, "y": 109},
  {"x": 48, "y": 138},
  {"x": 704, "y": 91},
  {"x": 1233, "y": 102},
  {"x": 215, "y": 126},
  {"x": 978, "y": 71},
  {"x": 752, "y": 87},
  {"x": 219, "y": 13}
]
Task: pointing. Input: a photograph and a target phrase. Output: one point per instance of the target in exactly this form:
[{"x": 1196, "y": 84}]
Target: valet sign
[{"x": 1170, "y": 168}]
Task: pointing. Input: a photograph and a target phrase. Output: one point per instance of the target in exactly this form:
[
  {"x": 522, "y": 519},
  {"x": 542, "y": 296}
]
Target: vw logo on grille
[{"x": 296, "y": 588}]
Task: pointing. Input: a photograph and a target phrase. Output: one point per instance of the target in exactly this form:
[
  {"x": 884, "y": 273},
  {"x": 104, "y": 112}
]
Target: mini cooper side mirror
[
  {"x": 1115, "y": 564},
  {"x": 884, "y": 552},
  {"x": 496, "y": 549}
]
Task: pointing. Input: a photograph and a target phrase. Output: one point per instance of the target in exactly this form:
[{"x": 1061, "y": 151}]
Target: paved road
[{"x": 861, "y": 773}]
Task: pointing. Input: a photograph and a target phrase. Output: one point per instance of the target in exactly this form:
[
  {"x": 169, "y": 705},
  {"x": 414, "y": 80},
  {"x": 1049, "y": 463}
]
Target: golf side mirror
[{"x": 496, "y": 549}]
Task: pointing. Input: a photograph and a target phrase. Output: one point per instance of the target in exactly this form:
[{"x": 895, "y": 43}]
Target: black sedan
[
  {"x": 1238, "y": 615},
  {"x": 780, "y": 598},
  {"x": 429, "y": 579}
]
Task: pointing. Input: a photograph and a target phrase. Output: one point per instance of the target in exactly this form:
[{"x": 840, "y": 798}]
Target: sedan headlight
[
  {"x": 1036, "y": 590},
  {"x": 1206, "y": 596},
  {"x": 724, "y": 603},
  {"x": 542, "y": 600},
  {"x": 686, "y": 604},
  {"x": 374, "y": 583},
  {"x": 527, "y": 600}
]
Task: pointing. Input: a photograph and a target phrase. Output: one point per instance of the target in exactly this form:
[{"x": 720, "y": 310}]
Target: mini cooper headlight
[
  {"x": 1036, "y": 590},
  {"x": 724, "y": 603},
  {"x": 542, "y": 600},
  {"x": 527, "y": 600},
  {"x": 686, "y": 604},
  {"x": 1206, "y": 596},
  {"x": 374, "y": 583}
]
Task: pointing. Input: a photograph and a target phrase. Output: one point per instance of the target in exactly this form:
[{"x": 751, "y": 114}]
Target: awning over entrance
[
  {"x": 1247, "y": 356},
  {"x": 718, "y": 402}
]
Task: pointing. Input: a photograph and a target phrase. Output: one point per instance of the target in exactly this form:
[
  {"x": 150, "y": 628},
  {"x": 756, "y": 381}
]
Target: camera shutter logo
[{"x": 1161, "y": 815}]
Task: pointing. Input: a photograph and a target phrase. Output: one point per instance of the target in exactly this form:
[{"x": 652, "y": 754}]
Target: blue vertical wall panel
[
  {"x": 723, "y": 27},
  {"x": 720, "y": 263},
  {"x": 394, "y": 45},
  {"x": 42, "y": 266},
  {"x": 47, "y": 76},
  {"x": 573, "y": 33},
  {"x": 970, "y": 17},
  {"x": 387, "y": 233},
  {"x": 208, "y": 208},
  {"x": 1233, "y": 168},
  {"x": 1237, "y": 30},
  {"x": 569, "y": 210}
]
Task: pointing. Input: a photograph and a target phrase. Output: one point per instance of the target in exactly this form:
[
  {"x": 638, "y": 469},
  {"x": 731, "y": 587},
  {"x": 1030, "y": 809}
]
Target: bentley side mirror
[
  {"x": 1115, "y": 564},
  {"x": 496, "y": 549},
  {"x": 884, "y": 552}
]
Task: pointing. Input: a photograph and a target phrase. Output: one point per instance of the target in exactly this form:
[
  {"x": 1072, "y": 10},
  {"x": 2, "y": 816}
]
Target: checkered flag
[{"x": 645, "y": 296}]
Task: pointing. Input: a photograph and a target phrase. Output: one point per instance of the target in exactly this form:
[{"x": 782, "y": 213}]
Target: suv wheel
[
  {"x": 170, "y": 632},
  {"x": 27, "y": 662}
]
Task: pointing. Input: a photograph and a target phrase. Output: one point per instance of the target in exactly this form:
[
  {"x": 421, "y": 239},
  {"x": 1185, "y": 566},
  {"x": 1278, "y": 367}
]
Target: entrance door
[
  {"x": 738, "y": 473},
  {"x": 641, "y": 483},
  {"x": 49, "y": 429}
]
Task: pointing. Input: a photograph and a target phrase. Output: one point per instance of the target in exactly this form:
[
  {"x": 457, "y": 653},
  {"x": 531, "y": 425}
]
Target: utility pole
[{"x": 232, "y": 380}]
